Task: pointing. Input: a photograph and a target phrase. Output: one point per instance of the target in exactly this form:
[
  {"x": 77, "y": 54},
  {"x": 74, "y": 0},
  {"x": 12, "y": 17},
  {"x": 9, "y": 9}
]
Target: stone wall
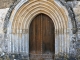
[
  {"x": 3, "y": 13},
  {"x": 77, "y": 15},
  {"x": 6, "y": 3},
  {"x": 76, "y": 10}
]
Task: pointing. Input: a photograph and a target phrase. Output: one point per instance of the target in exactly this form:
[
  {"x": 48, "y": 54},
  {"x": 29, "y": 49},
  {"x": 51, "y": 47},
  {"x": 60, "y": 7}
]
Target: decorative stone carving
[{"x": 23, "y": 13}]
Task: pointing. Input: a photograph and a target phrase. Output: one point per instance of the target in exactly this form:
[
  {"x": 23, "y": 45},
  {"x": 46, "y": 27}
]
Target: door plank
[{"x": 42, "y": 37}]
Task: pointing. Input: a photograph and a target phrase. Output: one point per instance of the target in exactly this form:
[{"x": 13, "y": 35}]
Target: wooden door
[{"x": 41, "y": 38}]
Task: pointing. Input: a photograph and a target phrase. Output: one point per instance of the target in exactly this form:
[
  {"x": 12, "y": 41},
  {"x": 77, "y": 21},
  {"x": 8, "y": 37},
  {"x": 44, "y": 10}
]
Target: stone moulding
[
  {"x": 71, "y": 15},
  {"x": 21, "y": 15}
]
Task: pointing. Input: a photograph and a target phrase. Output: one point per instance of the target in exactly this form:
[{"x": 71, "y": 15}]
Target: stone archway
[{"x": 21, "y": 18}]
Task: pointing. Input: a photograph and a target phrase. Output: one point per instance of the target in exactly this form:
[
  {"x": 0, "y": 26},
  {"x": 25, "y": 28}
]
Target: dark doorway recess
[{"x": 41, "y": 38}]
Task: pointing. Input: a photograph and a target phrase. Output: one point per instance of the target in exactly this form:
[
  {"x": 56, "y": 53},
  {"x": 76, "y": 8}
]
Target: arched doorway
[{"x": 41, "y": 38}]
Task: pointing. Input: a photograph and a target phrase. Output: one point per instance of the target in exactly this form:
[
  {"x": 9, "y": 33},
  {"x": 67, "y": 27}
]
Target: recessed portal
[{"x": 41, "y": 38}]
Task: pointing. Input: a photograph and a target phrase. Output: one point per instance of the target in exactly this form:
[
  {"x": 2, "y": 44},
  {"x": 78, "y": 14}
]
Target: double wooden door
[{"x": 41, "y": 38}]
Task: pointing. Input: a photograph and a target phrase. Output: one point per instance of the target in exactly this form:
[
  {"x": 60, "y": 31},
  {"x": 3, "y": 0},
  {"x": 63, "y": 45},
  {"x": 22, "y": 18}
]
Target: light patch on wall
[{"x": 3, "y": 13}]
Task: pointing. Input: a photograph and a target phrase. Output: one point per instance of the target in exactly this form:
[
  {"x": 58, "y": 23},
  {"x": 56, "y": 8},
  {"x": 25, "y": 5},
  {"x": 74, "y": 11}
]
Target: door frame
[
  {"x": 39, "y": 15},
  {"x": 27, "y": 11}
]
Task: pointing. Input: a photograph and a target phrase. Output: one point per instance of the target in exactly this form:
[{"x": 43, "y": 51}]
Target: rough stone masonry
[{"x": 73, "y": 8}]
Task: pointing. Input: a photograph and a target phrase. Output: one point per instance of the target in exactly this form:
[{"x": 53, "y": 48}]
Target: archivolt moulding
[{"x": 23, "y": 14}]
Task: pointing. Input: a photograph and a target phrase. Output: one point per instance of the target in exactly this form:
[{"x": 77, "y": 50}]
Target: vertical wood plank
[{"x": 42, "y": 36}]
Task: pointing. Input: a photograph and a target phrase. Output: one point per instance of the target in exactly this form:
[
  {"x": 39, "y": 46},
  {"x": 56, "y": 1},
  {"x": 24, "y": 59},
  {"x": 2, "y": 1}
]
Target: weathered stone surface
[
  {"x": 6, "y": 3},
  {"x": 77, "y": 16},
  {"x": 10, "y": 42},
  {"x": 3, "y": 13}
]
